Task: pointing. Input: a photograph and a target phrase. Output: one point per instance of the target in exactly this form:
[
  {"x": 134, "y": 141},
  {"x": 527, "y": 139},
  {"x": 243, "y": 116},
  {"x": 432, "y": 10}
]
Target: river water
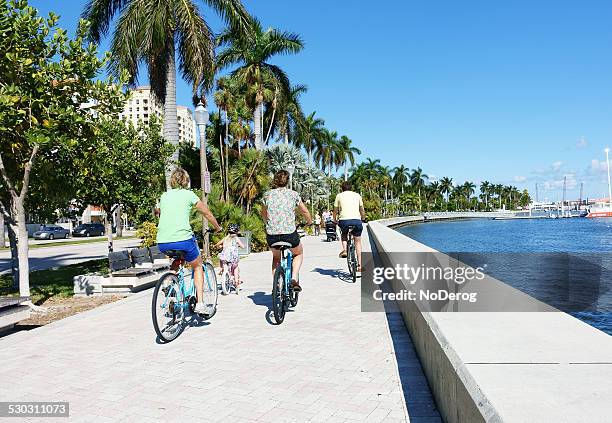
[{"x": 566, "y": 263}]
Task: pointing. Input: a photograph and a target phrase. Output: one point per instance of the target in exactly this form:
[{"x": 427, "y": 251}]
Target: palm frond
[
  {"x": 195, "y": 46},
  {"x": 100, "y": 13}
]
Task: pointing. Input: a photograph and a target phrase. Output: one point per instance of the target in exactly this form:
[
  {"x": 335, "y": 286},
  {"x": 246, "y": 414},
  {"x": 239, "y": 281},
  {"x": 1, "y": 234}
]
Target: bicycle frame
[
  {"x": 185, "y": 293},
  {"x": 287, "y": 265}
]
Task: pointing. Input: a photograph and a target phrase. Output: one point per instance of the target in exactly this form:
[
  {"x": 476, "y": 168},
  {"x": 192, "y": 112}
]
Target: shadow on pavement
[{"x": 341, "y": 274}]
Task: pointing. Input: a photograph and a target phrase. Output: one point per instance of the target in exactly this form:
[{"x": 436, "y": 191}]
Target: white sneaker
[{"x": 201, "y": 308}]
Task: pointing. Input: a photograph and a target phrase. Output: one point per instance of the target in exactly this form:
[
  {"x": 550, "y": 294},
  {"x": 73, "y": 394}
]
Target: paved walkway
[{"x": 327, "y": 362}]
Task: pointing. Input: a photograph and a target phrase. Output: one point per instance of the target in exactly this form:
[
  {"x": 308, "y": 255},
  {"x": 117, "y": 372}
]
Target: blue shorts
[
  {"x": 344, "y": 226},
  {"x": 189, "y": 247}
]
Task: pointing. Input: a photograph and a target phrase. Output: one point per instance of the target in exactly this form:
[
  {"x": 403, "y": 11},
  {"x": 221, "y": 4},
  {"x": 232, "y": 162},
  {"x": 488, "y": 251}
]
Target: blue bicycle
[
  {"x": 283, "y": 295},
  {"x": 174, "y": 295}
]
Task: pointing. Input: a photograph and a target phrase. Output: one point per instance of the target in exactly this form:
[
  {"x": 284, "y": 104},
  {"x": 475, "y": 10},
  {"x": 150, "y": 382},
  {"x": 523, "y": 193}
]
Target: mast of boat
[
  {"x": 607, "y": 150},
  {"x": 563, "y": 201},
  {"x": 537, "y": 196},
  {"x": 580, "y": 198}
]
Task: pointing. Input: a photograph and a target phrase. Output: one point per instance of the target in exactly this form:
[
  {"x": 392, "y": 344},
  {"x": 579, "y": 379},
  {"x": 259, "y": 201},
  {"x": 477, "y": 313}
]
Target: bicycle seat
[
  {"x": 175, "y": 254},
  {"x": 281, "y": 245}
]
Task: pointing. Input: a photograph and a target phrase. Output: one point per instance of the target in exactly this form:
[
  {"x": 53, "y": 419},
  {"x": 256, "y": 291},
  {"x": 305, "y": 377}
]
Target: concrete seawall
[{"x": 505, "y": 366}]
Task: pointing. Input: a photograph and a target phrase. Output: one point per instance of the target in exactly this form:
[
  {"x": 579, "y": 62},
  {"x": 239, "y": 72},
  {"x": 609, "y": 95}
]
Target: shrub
[{"x": 148, "y": 233}]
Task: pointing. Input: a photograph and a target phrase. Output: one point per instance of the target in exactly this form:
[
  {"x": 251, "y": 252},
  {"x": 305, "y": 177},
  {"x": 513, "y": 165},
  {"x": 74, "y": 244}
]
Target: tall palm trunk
[
  {"x": 257, "y": 126},
  {"x": 286, "y": 134},
  {"x": 2, "y": 239},
  {"x": 345, "y": 171},
  {"x": 170, "y": 131},
  {"x": 310, "y": 157},
  {"x": 222, "y": 167}
]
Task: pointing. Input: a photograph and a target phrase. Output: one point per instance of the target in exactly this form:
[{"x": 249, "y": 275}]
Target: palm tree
[
  {"x": 292, "y": 115},
  {"x": 346, "y": 154},
  {"x": 446, "y": 186},
  {"x": 252, "y": 50},
  {"x": 310, "y": 134},
  {"x": 327, "y": 152},
  {"x": 157, "y": 32},
  {"x": 468, "y": 190},
  {"x": 417, "y": 179},
  {"x": 485, "y": 187},
  {"x": 248, "y": 178},
  {"x": 400, "y": 177}
]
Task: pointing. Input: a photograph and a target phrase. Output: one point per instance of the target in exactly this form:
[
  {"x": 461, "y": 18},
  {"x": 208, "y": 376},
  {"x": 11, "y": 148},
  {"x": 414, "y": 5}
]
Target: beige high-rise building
[
  {"x": 186, "y": 124},
  {"x": 143, "y": 104}
]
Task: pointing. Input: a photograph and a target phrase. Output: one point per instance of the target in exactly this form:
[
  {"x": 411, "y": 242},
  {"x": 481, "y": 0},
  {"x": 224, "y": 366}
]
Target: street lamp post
[
  {"x": 607, "y": 150},
  {"x": 201, "y": 119}
]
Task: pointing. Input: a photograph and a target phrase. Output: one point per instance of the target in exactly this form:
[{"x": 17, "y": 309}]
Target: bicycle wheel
[
  {"x": 210, "y": 290},
  {"x": 167, "y": 308},
  {"x": 351, "y": 259},
  {"x": 225, "y": 282},
  {"x": 278, "y": 295}
]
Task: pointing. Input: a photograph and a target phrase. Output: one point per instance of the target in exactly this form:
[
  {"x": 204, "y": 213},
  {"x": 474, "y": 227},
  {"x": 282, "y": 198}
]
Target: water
[{"x": 549, "y": 259}]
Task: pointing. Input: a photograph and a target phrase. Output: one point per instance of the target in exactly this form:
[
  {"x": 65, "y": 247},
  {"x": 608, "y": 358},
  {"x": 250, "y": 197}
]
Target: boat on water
[{"x": 602, "y": 211}]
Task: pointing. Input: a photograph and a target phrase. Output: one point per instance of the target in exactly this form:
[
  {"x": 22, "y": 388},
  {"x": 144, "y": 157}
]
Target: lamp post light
[
  {"x": 201, "y": 120},
  {"x": 607, "y": 150}
]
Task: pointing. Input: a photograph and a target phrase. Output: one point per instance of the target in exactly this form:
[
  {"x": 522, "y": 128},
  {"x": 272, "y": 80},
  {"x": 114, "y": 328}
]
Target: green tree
[
  {"x": 400, "y": 177},
  {"x": 123, "y": 165},
  {"x": 310, "y": 135},
  {"x": 346, "y": 154},
  {"x": 46, "y": 81},
  {"x": 156, "y": 33},
  {"x": 417, "y": 179},
  {"x": 252, "y": 50}
]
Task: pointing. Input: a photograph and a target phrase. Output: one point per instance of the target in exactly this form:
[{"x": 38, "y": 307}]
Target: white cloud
[
  {"x": 582, "y": 142},
  {"x": 520, "y": 178},
  {"x": 557, "y": 165}
]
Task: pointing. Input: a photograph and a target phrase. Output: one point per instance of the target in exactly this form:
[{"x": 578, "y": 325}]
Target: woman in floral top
[{"x": 278, "y": 213}]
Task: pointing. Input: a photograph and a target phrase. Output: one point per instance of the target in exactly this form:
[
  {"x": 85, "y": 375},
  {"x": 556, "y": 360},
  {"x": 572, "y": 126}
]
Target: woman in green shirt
[{"x": 174, "y": 231}]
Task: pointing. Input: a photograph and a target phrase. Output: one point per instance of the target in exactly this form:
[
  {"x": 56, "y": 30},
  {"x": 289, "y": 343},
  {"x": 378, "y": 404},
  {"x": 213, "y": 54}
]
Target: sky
[{"x": 516, "y": 92}]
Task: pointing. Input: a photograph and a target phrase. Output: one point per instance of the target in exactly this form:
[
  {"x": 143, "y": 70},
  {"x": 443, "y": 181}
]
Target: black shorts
[{"x": 293, "y": 239}]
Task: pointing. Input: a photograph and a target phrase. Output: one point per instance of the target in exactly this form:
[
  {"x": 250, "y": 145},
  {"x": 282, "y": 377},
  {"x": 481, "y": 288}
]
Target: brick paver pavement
[{"x": 327, "y": 362}]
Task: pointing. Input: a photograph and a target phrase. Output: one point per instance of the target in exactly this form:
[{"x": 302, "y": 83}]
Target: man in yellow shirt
[{"x": 349, "y": 211}]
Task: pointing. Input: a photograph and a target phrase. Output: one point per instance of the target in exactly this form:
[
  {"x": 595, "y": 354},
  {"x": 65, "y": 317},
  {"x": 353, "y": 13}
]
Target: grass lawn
[{"x": 45, "y": 284}]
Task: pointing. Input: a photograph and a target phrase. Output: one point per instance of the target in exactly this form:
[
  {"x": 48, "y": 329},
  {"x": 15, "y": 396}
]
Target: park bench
[
  {"x": 144, "y": 258},
  {"x": 12, "y": 311}
]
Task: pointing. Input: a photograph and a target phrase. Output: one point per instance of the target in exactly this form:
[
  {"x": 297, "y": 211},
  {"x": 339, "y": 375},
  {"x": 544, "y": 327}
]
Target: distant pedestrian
[{"x": 317, "y": 224}]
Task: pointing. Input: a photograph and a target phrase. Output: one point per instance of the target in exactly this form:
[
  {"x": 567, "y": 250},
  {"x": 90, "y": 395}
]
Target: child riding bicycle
[{"x": 229, "y": 256}]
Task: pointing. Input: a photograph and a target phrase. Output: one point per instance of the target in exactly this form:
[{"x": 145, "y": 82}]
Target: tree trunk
[
  {"x": 19, "y": 227},
  {"x": 108, "y": 229},
  {"x": 271, "y": 123},
  {"x": 226, "y": 182},
  {"x": 257, "y": 126},
  {"x": 287, "y": 136},
  {"x": 14, "y": 263},
  {"x": 309, "y": 157},
  {"x": 2, "y": 238},
  {"x": 222, "y": 167},
  {"x": 170, "y": 130},
  {"x": 345, "y": 171},
  {"x": 119, "y": 222}
]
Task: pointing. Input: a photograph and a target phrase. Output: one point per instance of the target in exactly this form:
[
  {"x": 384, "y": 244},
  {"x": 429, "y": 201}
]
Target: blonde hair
[{"x": 179, "y": 178}]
